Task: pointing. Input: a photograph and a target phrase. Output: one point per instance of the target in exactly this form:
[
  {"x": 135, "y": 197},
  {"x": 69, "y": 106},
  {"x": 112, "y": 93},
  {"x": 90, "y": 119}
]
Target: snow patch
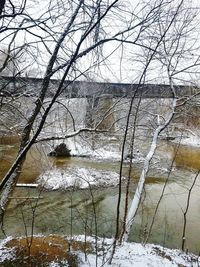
[
  {"x": 192, "y": 140},
  {"x": 102, "y": 153},
  {"x": 137, "y": 255},
  {"x": 6, "y": 253},
  {"x": 110, "y": 151},
  {"x": 77, "y": 177},
  {"x": 56, "y": 264}
]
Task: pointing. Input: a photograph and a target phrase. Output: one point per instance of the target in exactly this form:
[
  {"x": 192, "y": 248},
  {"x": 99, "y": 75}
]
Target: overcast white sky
[{"x": 124, "y": 63}]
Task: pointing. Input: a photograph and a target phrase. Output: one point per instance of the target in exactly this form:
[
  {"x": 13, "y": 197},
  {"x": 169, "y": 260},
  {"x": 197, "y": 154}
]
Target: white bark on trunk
[{"x": 137, "y": 197}]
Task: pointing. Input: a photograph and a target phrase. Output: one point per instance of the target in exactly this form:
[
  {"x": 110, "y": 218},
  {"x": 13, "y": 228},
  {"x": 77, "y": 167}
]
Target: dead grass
[{"x": 44, "y": 250}]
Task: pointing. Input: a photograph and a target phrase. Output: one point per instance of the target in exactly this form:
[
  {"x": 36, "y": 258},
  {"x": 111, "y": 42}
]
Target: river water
[
  {"x": 75, "y": 211},
  {"x": 93, "y": 211}
]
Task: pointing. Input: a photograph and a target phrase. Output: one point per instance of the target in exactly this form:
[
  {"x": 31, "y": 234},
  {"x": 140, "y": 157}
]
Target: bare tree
[
  {"x": 83, "y": 22},
  {"x": 168, "y": 52},
  {"x": 67, "y": 40}
]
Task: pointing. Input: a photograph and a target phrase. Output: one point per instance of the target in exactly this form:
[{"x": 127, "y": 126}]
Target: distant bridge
[{"x": 78, "y": 89}]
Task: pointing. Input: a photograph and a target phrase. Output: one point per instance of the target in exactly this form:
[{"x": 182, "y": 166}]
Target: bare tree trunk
[
  {"x": 11, "y": 178},
  {"x": 186, "y": 211},
  {"x": 161, "y": 196},
  {"x": 130, "y": 168},
  {"x": 9, "y": 181},
  {"x": 2, "y": 4},
  {"x": 138, "y": 194}
]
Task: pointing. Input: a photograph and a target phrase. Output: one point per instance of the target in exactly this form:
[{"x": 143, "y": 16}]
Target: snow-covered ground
[
  {"x": 128, "y": 254},
  {"x": 137, "y": 255},
  {"x": 102, "y": 150},
  {"x": 6, "y": 253},
  {"x": 186, "y": 136},
  {"x": 191, "y": 140},
  {"x": 77, "y": 177}
]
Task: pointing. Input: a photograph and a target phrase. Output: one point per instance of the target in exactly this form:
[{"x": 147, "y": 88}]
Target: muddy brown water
[{"x": 76, "y": 211}]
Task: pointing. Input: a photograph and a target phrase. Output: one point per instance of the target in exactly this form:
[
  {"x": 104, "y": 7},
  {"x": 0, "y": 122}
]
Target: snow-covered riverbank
[
  {"x": 128, "y": 254},
  {"x": 137, "y": 255},
  {"x": 191, "y": 140}
]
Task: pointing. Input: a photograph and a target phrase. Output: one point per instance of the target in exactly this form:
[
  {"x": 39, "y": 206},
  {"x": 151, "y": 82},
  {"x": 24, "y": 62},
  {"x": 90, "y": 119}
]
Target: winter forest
[{"x": 99, "y": 133}]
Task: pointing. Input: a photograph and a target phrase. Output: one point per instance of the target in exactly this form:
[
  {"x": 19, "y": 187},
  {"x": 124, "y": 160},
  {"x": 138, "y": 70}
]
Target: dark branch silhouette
[{"x": 2, "y": 4}]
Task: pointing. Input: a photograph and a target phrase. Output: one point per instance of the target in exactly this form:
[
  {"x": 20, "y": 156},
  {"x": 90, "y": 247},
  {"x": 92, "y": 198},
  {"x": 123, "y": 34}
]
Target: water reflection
[
  {"x": 188, "y": 157},
  {"x": 77, "y": 211}
]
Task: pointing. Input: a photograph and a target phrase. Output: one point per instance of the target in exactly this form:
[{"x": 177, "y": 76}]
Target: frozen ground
[{"x": 128, "y": 254}]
